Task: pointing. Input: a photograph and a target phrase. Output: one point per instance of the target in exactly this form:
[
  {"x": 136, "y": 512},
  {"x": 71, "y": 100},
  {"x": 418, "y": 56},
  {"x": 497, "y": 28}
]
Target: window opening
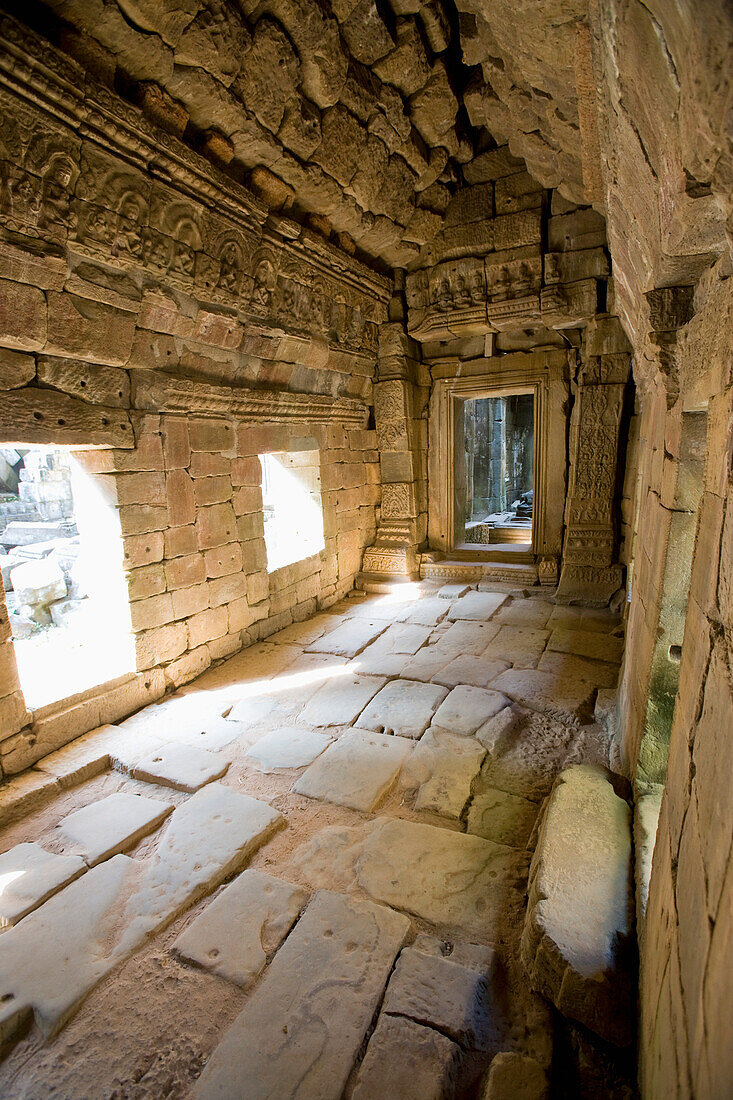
[
  {"x": 291, "y": 505},
  {"x": 61, "y": 557}
]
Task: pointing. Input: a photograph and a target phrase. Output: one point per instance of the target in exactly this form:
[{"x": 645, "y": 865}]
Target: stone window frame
[{"x": 546, "y": 378}]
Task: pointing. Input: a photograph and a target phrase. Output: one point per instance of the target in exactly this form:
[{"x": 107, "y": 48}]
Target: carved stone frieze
[
  {"x": 165, "y": 393},
  {"x": 82, "y": 170}
]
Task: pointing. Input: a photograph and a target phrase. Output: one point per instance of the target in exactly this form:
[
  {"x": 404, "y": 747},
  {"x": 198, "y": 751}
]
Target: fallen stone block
[
  {"x": 38, "y": 583},
  {"x": 301, "y": 1030},
  {"x": 579, "y": 922},
  {"x": 244, "y": 924}
]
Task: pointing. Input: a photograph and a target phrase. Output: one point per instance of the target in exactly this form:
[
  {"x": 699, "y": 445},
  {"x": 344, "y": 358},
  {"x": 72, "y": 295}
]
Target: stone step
[{"x": 472, "y": 572}]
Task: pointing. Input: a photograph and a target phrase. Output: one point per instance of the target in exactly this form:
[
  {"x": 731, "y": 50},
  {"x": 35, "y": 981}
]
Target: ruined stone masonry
[{"x": 366, "y": 549}]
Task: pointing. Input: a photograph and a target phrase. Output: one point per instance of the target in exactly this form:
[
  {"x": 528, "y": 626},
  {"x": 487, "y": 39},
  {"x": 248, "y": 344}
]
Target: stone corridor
[{"x": 305, "y": 873}]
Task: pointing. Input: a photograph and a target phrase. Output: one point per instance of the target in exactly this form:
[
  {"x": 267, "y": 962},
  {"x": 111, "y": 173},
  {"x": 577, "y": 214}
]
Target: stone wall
[
  {"x": 161, "y": 317},
  {"x": 664, "y": 72}
]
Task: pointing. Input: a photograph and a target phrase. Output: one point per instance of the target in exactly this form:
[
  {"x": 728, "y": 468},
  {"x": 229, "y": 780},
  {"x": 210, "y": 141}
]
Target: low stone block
[
  {"x": 576, "y": 937},
  {"x": 477, "y": 606},
  {"x": 467, "y": 708}
]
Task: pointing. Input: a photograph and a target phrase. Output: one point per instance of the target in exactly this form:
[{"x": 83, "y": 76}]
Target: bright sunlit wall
[{"x": 292, "y": 509}]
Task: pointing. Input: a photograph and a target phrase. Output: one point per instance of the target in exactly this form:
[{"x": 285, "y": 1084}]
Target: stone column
[
  {"x": 590, "y": 569},
  {"x": 400, "y": 424}
]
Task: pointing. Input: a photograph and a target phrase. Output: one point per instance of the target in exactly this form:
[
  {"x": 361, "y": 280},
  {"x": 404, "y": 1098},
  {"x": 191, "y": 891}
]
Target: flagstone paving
[{"x": 379, "y": 771}]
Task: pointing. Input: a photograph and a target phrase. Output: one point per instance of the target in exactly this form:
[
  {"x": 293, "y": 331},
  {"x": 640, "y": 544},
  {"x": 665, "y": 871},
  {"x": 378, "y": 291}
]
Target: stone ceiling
[{"x": 358, "y": 112}]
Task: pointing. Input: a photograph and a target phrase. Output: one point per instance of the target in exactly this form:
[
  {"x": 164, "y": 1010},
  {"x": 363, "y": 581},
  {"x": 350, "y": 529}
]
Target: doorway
[{"x": 494, "y": 475}]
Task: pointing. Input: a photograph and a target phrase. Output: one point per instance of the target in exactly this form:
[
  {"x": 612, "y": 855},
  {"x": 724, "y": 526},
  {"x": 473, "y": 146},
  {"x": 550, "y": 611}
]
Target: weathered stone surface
[
  {"x": 443, "y": 766},
  {"x": 350, "y": 638},
  {"x": 427, "y": 612},
  {"x": 407, "y": 1060},
  {"x": 287, "y": 747},
  {"x": 184, "y": 767},
  {"x": 580, "y": 911},
  {"x": 468, "y": 637},
  {"x": 502, "y": 817},
  {"x": 340, "y": 701},
  {"x": 567, "y": 666},
  {"x": 404, "y": 638},
  {"x": 523, "y": 646},
  {"x": 477, "y": 606},
  {"x": 515, "y": 1075},
  {"x": 300, "y": 1032},
  {"x": 568, "y": 700},
  {"x": 426, "y": 663},
  {"x": 356, "y": 771},
  {"x": 582, "y": 643},
  {"x": 444, "y": 877},
  {"x": 104, "y": 828},
  {"x": 476, "y": 671},
  {"x": 403, "y": 707},
  {"x": 453, "y": 591},
  {"x": 465, "y": 709},
  {"x": 527, "y": 613},
  {"x": 51, "y": 960},
  {"x": 244, "y": 924},
  {"x": 30, "y": 876},
  {"x": 453, "y": 999}
]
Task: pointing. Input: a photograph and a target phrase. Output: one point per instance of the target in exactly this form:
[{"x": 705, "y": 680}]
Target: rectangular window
[
  {"x": 61, "y": 559},
  {"x": 291, "y": 505}
]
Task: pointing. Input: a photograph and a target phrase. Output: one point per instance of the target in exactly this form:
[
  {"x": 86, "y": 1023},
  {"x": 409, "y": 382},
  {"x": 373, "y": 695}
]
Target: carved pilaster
[
  {"x": 394, "y": 554},
  {"x": 590, "y": 570}
]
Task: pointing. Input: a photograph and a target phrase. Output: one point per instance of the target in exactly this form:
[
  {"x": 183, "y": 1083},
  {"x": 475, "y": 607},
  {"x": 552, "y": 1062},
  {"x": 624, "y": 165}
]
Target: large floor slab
[
  {"x": 287, "y": 747},
  {"x": 300, "y": 1032},
  {"x": 245, "y": 923},
  {"x": 348, "y": 639},
  {"x": 445, "y": 877},
  {"x": 183, "y": 767},
  {"x": 111, "y": 825},
  {"x": 340, "y": 701},
  {"x": 443, "y": 767},
  {"x": 56, "y": 955},
  {"x": 468, "y": 637},
  {"x": 477, "y": 605},
  {"x": 409, "y": 1061},
  {"x": 465, "y": 709},
  {"x": 587, "y": 643},
  {"x": 29, "y": 875},
  {"x": 568, "y": 700},
  {"x": 356, "y": 771},
  {"x": 522, "y": 645},
  {"x": 403, "y": 707},
  {"x": 469, "y": 669}
]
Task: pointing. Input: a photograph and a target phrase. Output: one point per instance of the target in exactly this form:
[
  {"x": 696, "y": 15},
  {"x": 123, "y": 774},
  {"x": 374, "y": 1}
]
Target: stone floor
[{"x": 378, "y": 771}]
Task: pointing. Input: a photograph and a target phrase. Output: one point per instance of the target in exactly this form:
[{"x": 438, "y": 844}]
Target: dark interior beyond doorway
[{"x": 499, "y": 456}]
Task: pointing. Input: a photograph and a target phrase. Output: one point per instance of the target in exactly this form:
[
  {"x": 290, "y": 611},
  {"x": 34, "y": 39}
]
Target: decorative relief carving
[
  {"x": 390, "y": 401},
  {"x": 449, "y": 299},
  {"x": 96, "y": 195},
  {"x": 165, "y": 393}
]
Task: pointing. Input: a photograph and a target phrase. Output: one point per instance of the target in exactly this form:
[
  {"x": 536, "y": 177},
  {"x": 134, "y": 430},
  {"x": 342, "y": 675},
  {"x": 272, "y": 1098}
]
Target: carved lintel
[{"x": 165, "y": 393}]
